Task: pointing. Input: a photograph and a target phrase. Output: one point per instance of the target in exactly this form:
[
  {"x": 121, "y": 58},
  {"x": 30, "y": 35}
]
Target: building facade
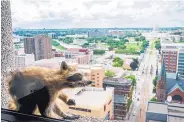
[
  {"x": 170, "y": 84},
  {"x": 23, "y": 60},
  {"x": 164, "y": 112},
  {"x": 79, "y": 55},
  {"x": 171, "y": 54},
  {"x": 122, "y": 92},
  {"x": 95, "y": 73},
  {"x": 96, "y": 33},
  {"x": 181, "y": 62},
  {"x": 161, "y": 84},
  {"x": 39, "y": 45},
  {"x": 91, "y": 102}
]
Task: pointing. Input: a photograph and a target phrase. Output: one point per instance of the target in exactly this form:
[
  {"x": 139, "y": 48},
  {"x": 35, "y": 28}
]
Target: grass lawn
[
  {"x": 133, "y": 45},
  {"x": 60, "y": 47}
]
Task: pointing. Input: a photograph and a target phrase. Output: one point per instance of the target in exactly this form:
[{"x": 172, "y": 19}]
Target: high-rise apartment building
[
  {"x": 40, "y": 45},
  {"x": 173, "y": 57},
  {"x": 29, "y": 45},
  {"x": 181, "y": 63}
]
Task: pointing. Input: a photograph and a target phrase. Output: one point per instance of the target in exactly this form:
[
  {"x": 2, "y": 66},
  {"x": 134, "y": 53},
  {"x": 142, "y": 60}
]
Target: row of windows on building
[
  {"x": 180, "y": 60},
  {"x": 169, "y": 52},
  {"x": 87, "y": 110},
  {"x": 120, "y": 112},
  {"x": 170, "y": 61}
]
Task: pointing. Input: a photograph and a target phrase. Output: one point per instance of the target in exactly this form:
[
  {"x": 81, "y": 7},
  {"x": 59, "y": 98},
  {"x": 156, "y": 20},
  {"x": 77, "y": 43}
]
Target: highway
[{"x": 144, "y": 87}]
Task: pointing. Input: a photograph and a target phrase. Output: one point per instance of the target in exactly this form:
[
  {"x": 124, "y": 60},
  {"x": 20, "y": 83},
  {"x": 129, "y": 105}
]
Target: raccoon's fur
[{"x": 54, "y": 81}]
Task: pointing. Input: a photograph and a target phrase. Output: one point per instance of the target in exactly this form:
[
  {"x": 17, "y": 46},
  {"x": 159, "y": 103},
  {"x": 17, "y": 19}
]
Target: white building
[
  {"x": 23, "y": 60},
  {"x": 52, "y": 35}
]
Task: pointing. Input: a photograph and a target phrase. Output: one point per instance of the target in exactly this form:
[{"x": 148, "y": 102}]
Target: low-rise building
[
  {"x": 95, "y": 73},
  {"x": 164, "y": 112},
  {"x": 23, "y": 60},
  {"x": 122, "y": 92},
  {"x": 81, "y": 56},
  {"x": 91, "y": 102},
  {"x": 52, "y": 35},
  {"x": 96, "y": 33}
]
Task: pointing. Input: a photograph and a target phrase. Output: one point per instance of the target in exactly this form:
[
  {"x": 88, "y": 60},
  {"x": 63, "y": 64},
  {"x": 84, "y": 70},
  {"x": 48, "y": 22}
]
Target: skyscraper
[{"x": 40, "y": 45}]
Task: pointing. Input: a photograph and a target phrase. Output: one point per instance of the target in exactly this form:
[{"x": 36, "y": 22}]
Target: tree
[
  {"x": 85, "y": 45},
  {"x": 154, "y": 99},
  {"x": 98, "y": 52},
  {"x": 116, "y": 59},
  {"x": 132, "y": 78},
  {"x": 111, "y": 48},
  {"x": 122, "y": 47},
  {"x": 126, "y": 40},
  {"x": 157, "y": 45},
  {"x": 136, "y": 60},
  {"x": 133, "y": 65},
  {"x": 136, "y": 39},
  {"x": 155, "y": 81},
  {"x": 142, "y": 38},
  {"x": 109, "y": 73},
  {"x": 117, "y": 62}
]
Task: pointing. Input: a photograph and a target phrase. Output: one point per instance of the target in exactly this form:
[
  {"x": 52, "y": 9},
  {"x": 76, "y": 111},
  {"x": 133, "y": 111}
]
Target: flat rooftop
[
  {"x": 174, "y": 112},
  {"x": 157, "y": 107},
  {"x": 116, "y": 81},
  {"x": 85, "y": 98},
  {"x": 175, "y": 119}
]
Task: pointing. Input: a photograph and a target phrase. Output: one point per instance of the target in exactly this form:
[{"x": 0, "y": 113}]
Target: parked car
[{"x": 134, "y": 113}]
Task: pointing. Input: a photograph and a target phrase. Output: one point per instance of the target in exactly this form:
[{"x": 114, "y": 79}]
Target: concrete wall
[{"x": 7, "y": 52}]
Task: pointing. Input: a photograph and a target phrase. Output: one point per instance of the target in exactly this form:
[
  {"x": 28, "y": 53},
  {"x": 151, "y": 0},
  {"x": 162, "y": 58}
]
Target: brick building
[
  {"x": 170, "y": 85},
  {"x": 122, "y": 92},
  {"x": 173, "y": 55},
  {"x": 39, "y": 45},
  {"x": 79, "y": 55},
  {"x": 94, "y": 73}
]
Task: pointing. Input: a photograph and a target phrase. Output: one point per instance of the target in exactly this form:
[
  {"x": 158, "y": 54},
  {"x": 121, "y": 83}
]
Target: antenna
[{"x": 169, "y": 99}]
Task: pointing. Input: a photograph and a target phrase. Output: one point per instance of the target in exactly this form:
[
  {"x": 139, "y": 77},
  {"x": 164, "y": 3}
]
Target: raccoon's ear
[{"x": 64, "y": 66}]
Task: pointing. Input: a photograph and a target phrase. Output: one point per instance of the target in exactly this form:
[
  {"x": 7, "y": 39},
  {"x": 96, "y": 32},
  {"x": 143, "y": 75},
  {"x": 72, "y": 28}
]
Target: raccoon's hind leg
[{"x": 58, "y": 108}]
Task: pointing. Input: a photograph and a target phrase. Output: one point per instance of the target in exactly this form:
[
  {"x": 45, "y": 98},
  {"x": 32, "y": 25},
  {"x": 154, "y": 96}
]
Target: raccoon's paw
[
  {"x": 71, "y": 102},
  {"x": 12, "y": 105}
]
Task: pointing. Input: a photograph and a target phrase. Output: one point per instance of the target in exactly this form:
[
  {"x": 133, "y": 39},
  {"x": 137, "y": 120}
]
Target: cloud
[{"x": 96, "y": 13}]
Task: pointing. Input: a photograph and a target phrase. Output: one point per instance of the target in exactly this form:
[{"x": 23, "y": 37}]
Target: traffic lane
[{"x": 136, "y": 99}]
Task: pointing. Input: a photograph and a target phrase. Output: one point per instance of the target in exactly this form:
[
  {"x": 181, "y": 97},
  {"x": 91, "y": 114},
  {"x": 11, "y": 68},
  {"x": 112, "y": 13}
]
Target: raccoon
[{"x": 39, "y": 86}]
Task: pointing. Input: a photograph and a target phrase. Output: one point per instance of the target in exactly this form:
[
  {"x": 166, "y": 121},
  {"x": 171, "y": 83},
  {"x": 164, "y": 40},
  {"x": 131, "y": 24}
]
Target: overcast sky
[{"x": 96, "y": 13}]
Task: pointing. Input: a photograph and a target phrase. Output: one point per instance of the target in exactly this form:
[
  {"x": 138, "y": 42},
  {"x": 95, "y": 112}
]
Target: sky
[{"x": 96, "y": 13}]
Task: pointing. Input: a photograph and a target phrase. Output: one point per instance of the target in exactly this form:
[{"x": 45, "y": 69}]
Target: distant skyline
[{"x": 96, "y": 13}]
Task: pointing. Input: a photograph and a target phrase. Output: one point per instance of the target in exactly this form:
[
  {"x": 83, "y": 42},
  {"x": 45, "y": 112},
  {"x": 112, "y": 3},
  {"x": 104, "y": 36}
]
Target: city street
[{"x": 144, "y": 87}]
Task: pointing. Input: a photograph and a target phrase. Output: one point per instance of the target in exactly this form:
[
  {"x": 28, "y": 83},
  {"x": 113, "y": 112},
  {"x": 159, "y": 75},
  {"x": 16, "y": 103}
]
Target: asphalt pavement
[{"x": 143, "y": 92}]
